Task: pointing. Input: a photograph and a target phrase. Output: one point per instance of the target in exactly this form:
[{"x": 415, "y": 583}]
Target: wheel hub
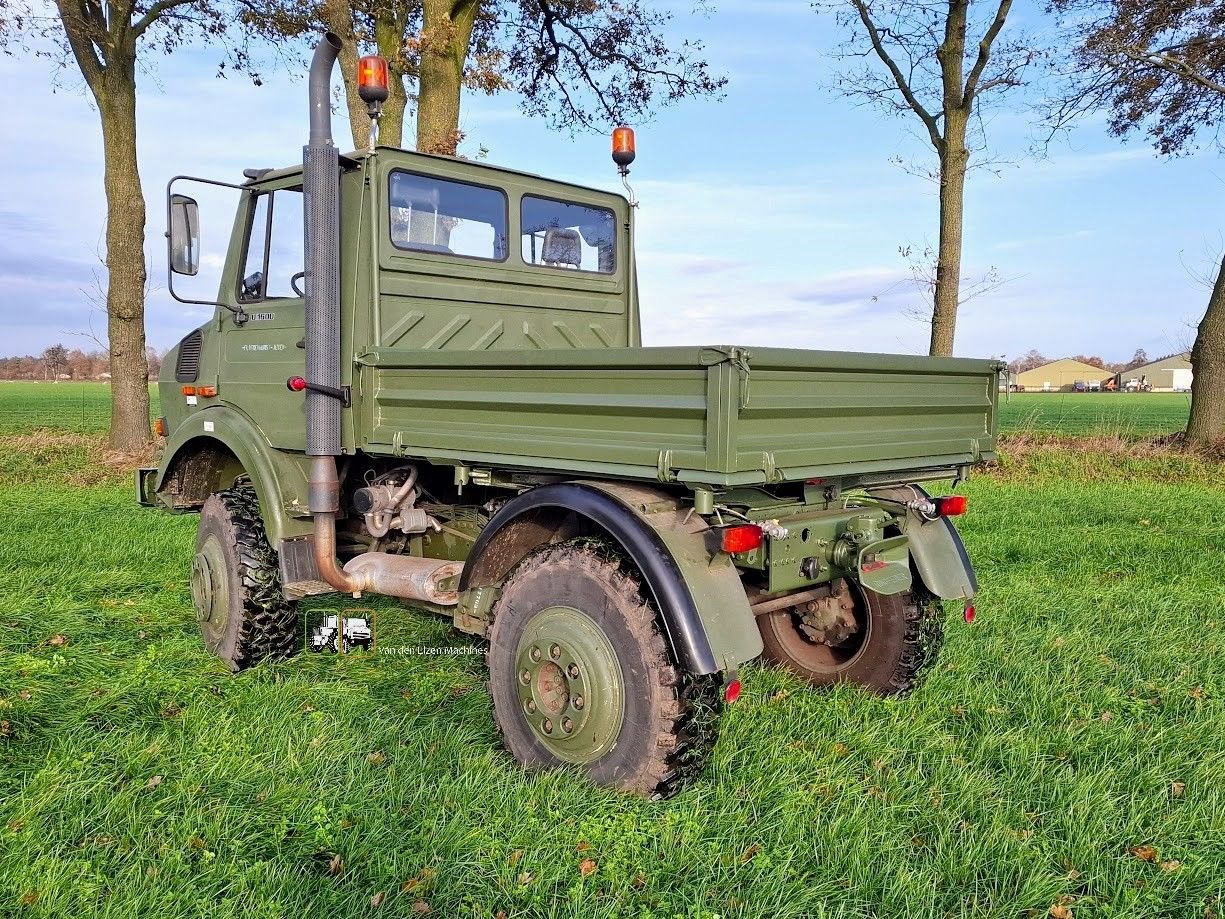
[
  {"x": 569, "y": 684},
  {"x": 209, "y": 593}
]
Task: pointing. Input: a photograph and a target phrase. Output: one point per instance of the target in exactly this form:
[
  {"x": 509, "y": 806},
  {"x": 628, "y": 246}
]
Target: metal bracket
[{"x": 342, "y": 393}]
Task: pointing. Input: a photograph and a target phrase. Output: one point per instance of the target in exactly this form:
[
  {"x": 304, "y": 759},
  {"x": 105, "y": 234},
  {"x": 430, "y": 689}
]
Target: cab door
[{"x": 265, "y": 346}]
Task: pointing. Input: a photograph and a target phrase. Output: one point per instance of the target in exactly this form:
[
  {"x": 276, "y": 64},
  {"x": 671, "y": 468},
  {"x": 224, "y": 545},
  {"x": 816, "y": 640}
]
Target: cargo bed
[{"x": 700, "y": 415}]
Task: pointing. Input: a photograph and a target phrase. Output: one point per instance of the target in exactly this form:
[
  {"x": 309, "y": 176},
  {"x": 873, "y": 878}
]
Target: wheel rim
[
  {"x": 210, "y": 590},
  {"x": 821, "y": 658},
  {"x": 570, "y": 688}
]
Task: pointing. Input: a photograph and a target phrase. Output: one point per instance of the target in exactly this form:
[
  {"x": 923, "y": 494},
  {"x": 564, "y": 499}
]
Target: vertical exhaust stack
[
  {"x": 398, "y": 576},
  {"x": 321, "y": 230}
]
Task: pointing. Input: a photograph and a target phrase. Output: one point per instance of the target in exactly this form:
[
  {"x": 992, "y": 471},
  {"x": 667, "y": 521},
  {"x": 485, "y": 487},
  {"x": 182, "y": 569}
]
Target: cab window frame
[
  {"x": 412, "y": 251},
  {"x": 253, "y": 203},
  {"x": 570, "y": 202}
]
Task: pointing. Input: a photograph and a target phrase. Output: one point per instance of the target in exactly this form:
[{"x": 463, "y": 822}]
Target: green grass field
[
  {"x": 1068, "y": 752},
  {"x": 1122, "y": 414}
]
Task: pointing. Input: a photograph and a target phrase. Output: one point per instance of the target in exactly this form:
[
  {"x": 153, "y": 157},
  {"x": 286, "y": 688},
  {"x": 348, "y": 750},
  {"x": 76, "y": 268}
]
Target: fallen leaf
[
  {"x": 1172, "y": 865},
  {"x": 1060, "y": 642},
  {"x": 583, "y": 846},
  {"x": 639, "y": 881},
  {"x": 1058, "y": 911},
  {"x": 57, "y": 640},
  {"x": 1198, "y": 693},
  {"x": 195, "y": 842},
  {"x": 750, "y": 853},
  {"x": 29, "y": 898},
  {"x": 1144, "y": 853},
  {"x": 377, "y": 758},
  {"x": 525, "y": 878},
  {"x": 1177, "y": 789},
  {"x": 5, "y": 728},
  {"x": 15, "y": 825},
  {"x": 421, "y": 908},
  {"x": 1107, "y": 716},
  {"x": 841, "y": 749},
  {"x": 410, "y": 885},
  {"x": 336, "y": 866},
  {"x": 500, "y": 914},
  {"x": 377, "y": 900},
  {"x": 153, "y": 782},
  {"x": 515, "y": 857},
  {"x": 587, "y": 867},
  {"x": 25, "y": 695}
]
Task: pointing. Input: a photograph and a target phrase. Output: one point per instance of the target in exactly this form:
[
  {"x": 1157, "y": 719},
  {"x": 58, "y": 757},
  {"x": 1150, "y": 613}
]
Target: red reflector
[
  {"x": 871, "y": 566},
  {"x": 968, "y": 614},
  {"x": 743, "y": 538},
  {"x": 731, "y": 692},
  {"x": 297, "y": 384},
  {"x": 950, "y": 506},
  {"x": 160, "y": 427}
]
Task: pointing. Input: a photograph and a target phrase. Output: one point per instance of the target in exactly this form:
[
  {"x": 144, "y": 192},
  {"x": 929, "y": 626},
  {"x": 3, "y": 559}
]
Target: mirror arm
[{"x": 240, "y": 315}]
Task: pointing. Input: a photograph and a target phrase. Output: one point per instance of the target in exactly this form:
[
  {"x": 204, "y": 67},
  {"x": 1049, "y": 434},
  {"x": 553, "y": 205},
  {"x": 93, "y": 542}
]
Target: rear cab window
[
  {"x": 568, "y": 236},
  {"x": 444, "y": 217}
]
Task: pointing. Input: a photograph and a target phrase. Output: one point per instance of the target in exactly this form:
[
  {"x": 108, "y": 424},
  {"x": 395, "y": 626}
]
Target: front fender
[
  {"x": 702, "y": 602},
  {"x": 936, "y": 547},
  {"x": 192, "y": 468}
]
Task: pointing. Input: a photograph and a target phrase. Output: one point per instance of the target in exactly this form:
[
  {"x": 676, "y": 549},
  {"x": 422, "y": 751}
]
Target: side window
[
  {"x": 560, "y": 234},
  {"x": 274, "y": 247},
  {"x": 449, "y": 218}
]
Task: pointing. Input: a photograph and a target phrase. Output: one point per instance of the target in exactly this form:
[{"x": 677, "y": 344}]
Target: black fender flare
[{"x": 520, "y": 526}]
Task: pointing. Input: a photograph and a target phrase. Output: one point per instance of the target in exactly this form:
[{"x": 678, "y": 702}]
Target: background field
[
  {"x": 1123, "y": 414},
  {"x": 1066, "y": 752}
]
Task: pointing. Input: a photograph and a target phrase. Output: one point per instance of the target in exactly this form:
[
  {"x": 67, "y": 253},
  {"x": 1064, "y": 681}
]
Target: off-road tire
[
  {"x": 903, "y": 639},
  {"x": 670, "y": 721},
  {"x": 260, "y": 623}
]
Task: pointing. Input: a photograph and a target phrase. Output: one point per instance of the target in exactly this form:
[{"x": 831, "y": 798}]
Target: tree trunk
[
  {"x": 445, "y": 38},
  {"x": 338, "y": 17},
  {"x": 389, "y": 38},
  {"x": 954, "y": 160},
  {"x": 1207, "y": 421},
  {"x": 125, "y": 258}
]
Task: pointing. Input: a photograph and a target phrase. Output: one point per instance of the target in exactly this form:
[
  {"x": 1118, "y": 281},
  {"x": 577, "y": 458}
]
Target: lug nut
[
  {"x": 548, "y": 726},
  {"x": 567, "y": 725},
  {"x": 555, "y": 652},
  {"x": 573, "y": 671},
  {"x": 530, "y": 706},
  {"x": 577, "y": 702},
  {"x": 535, "y": 654},
  {"x": 525, "y": 676}
]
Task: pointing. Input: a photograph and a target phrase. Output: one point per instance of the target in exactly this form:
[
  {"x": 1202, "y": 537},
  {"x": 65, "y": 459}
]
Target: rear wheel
[
  {"x": 581, "y": 675},
  {"x": 884, "y": 643},
  {"x": 236, "y": 584}
]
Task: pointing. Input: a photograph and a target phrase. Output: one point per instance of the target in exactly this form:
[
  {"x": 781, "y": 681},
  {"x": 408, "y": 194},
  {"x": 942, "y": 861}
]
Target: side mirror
[{"x": 184, "y": 235}]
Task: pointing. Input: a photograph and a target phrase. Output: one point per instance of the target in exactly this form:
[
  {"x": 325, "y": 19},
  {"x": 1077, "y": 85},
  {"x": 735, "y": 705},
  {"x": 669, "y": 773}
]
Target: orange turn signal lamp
[
  {"x": 160, "y": 428},
  {"x": 372, "y": 78},
  {"x": 206, "y": 391}
]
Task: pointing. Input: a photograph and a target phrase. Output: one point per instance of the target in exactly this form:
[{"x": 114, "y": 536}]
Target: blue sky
[{"x": 772, "y": 217}]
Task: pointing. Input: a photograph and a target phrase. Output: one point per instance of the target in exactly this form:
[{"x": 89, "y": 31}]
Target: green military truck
[{"x": 392, "y": 397}]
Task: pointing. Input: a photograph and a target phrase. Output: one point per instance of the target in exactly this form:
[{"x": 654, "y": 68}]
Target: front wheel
[
  {"x": 580, "y": 675},
  {"x": 883, "y": 643},
  {"x": 236, "y": 584}
]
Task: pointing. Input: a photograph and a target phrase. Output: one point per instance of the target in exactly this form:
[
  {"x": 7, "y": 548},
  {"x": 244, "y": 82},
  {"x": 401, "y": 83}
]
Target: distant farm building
[
  {"x": 1059, "y": 376},
  {"x": 1170, "y": 374}
]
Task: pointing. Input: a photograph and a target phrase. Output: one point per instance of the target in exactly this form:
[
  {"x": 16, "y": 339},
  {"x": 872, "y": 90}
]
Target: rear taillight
[
  {"x": 731, "y": 692},
  {"x": 950, "y": 505},
  {"x": 744, "y": 537},
  {"x": 968, "y": 613}
]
